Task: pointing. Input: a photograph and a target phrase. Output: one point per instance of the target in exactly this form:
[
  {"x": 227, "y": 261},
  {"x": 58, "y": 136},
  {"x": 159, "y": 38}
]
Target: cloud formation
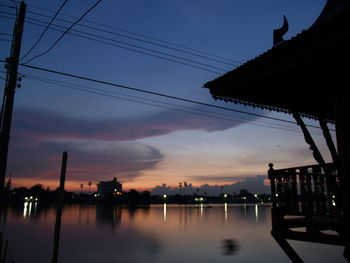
[
  {"x": 52, "y": 125},
  {"x": 98, "y": 149},
  {"x": 88, "y": 160}
]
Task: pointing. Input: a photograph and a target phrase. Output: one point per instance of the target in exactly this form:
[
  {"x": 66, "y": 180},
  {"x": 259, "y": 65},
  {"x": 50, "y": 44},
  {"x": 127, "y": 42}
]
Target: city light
[{"x": 30, "y": 199}]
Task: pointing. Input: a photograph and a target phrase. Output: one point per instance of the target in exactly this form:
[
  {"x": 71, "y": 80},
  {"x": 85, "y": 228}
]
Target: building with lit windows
[{"x": 109, "y": 188}]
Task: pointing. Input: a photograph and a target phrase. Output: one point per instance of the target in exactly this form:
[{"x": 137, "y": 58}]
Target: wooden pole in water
[{"x": 60, "y": 200}]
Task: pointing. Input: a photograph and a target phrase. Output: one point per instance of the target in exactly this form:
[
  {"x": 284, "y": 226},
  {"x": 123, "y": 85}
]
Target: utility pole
[{"x": 9, "y": 94}]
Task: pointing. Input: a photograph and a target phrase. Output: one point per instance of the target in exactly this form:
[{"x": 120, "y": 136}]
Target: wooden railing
[{"x": 306, "y": 190}]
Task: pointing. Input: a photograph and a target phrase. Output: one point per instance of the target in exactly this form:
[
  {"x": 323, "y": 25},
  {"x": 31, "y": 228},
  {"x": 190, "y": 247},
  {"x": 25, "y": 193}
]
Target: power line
[
  {"x": 98, "y": 39},
  {"x": 140, "y": 40},
  {"x": 158, "y": 94},
  {"x": 136, "y": 46},
  {"x": 164, "y": 105},
  {"x": 138, "y": 51},
  {"x": 46, "y": 28},
  {"x": 64, "y": 33},
  {"x": 233, "y": 62},
  {"x": 58, "y": 82}
]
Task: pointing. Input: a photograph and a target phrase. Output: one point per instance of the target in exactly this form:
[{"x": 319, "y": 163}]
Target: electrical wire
[
  {"x": 136, "y": 46},
  {"x": 226, "y": 109},
  {"x": 169, "y": 44},
  {"x": 65, "y": 32},
  {"x": 159, "y": 104},
  {"x": 46, "y": 28},
  {"x": 140, "y": 40},
  {"x": 158, "y": 94},
  {"x": 143, "y": 52},
  {"x": 96, "y": 38}
]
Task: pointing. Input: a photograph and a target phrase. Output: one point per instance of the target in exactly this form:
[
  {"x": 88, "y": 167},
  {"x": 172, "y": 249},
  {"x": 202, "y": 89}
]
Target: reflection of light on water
[
  {"x": 245, "y": 208},
  {"x": 146, "y": 238},
  {"x": 25, "y": 210},
  {"x": 164, "y": 212},
  {"x": 225, "y": 209},
  {"x": 35, "y": 206},
  {"x": 115, "y": 214},
  {"x": 201, "y": 210},
  {"x": 256, "y": 213},
  {"x": 29, "y": 209}
]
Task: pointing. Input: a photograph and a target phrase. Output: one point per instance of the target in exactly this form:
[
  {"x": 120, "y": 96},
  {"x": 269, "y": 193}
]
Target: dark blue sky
[{"x": 142, "y": 144}]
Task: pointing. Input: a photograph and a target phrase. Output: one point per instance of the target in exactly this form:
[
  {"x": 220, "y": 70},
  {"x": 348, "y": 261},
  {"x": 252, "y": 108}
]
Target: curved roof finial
[{"x": 279, "y": 33}]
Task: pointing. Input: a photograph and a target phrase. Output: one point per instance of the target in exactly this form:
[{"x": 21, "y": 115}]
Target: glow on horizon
[
  {"x": 144, "y": 146},
  {"x": 216, "y": 162}
]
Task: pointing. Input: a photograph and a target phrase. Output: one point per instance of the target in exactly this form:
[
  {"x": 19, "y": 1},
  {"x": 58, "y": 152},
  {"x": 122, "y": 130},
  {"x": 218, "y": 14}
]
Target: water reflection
[
  {"x": 159, "y": 233},
  {"x": 164, "y": 212},
  {"x": 108, "y": 214},
  {"x": 230, "y": 247},
  {"x": 225, "y": 211},
  {"x": 29, "y": 209}
]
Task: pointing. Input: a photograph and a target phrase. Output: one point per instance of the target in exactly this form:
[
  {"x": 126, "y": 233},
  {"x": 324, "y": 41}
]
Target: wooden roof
[{"x": 304, "y": 74}]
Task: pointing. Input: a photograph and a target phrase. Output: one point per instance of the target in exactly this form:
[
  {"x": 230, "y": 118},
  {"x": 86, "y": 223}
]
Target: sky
[{"x": 161, "y": 46}]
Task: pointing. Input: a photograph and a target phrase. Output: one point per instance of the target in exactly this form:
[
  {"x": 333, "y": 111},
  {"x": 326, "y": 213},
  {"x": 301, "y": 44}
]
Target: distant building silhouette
[{"x": 108, "y": 188}]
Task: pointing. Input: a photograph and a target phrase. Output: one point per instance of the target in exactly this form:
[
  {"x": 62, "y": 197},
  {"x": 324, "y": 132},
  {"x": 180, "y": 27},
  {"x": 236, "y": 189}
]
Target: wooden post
[
  {"x": 60, "y": 200},
  {"x": 272, "y": 184},
  {"x": 308, "y": 139},
  {"x": 276, "y": 210},
  {"x": 287, "y": 248},
  {"x": 343, "y": 143}
]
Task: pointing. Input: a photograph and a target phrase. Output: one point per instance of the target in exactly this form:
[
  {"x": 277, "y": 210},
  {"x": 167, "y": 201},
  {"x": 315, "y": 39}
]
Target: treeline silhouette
[{"x": 38, "y": 193}]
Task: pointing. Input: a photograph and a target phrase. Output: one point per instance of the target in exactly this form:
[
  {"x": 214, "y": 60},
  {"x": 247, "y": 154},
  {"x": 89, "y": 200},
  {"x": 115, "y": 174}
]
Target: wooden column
[{"x": 343, "y": 142}]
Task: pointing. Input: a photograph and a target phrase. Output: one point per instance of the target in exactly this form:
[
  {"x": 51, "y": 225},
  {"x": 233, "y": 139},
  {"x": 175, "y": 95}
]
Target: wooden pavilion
[{"x": 306, "y": 76}]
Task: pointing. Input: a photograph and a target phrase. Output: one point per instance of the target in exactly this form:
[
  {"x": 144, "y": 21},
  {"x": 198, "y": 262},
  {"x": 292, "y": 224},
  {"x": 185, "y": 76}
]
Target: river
[{"x": 156, "y": 234}]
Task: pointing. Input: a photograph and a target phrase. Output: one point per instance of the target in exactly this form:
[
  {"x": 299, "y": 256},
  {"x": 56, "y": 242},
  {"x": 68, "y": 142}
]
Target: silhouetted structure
[
  {"x": 59, "y": 208},
  {"x": 9, "y": 94},
  {"x": 305, "y": 76},
  {"x": 109, "y": 188}
]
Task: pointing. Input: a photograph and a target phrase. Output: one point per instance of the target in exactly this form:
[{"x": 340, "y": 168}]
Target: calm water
[{"x": 160, "y": 233}]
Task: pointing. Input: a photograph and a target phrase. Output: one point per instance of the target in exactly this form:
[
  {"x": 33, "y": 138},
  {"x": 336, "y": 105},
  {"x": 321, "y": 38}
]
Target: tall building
[{"x": 109, "y": 188}]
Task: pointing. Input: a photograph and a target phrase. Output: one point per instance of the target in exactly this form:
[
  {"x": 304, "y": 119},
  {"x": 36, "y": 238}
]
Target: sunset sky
[{"x": 142, "y": 139}]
